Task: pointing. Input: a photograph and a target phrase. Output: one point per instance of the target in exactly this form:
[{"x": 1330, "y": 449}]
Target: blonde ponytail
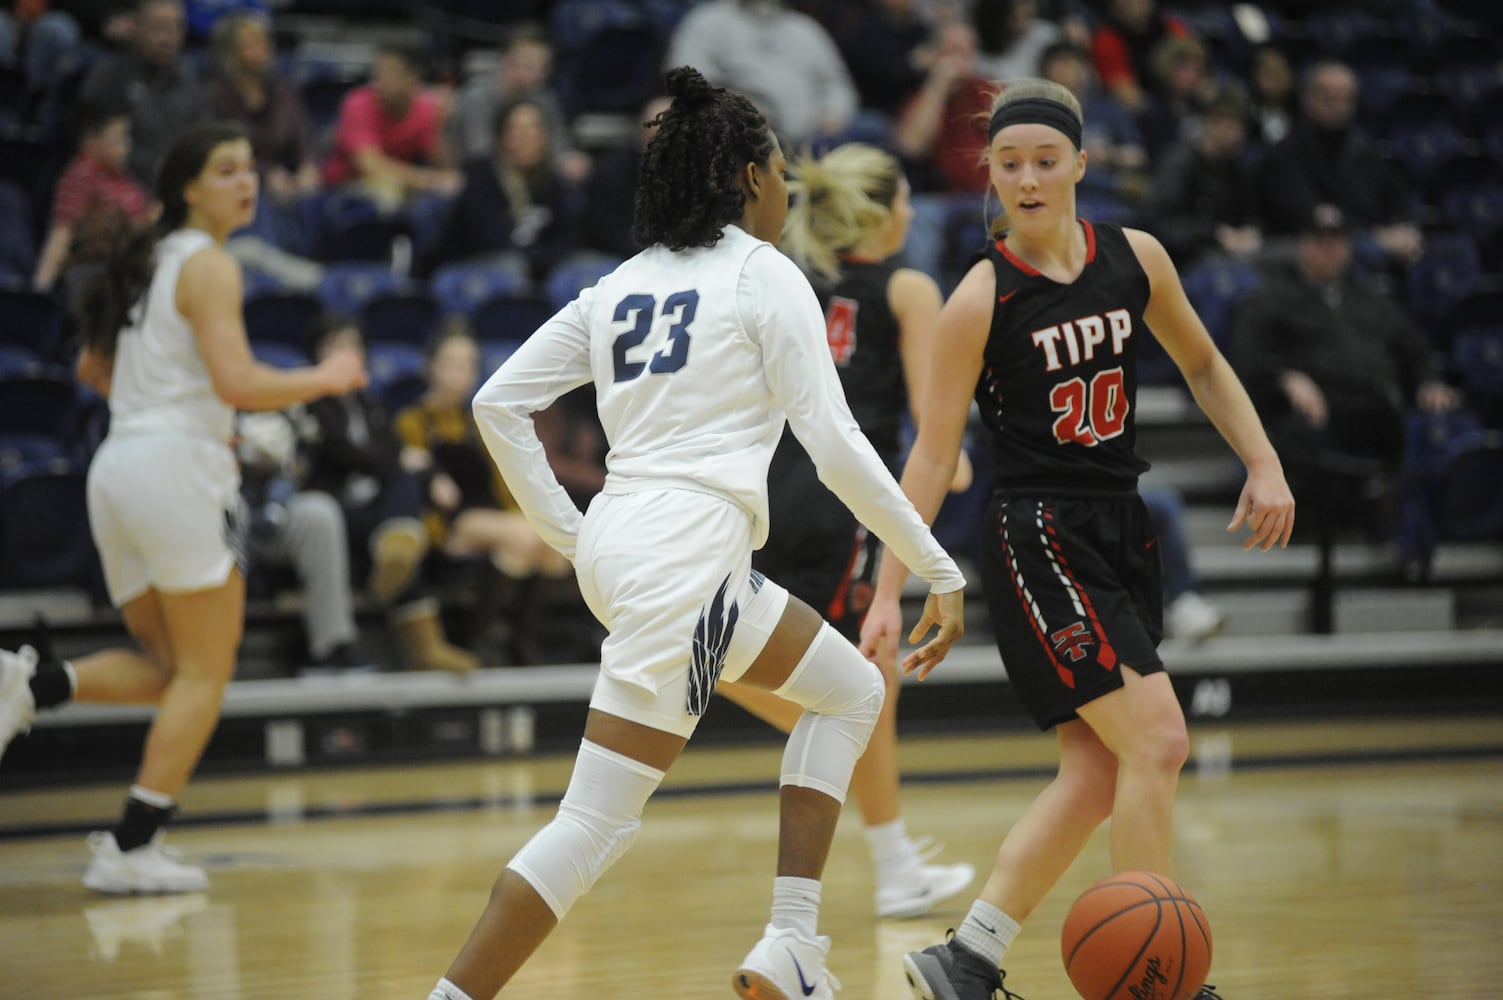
[{"x": 840, "y": 199}]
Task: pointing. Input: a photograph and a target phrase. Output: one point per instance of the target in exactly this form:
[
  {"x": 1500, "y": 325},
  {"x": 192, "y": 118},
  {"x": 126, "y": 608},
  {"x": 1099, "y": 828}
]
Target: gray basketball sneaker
[{"x": 951, "y": 972}]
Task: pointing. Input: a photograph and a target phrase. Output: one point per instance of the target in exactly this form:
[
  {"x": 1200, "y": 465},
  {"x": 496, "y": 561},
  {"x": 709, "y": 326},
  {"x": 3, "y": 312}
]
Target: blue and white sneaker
[{"x": 786, "y": 965}]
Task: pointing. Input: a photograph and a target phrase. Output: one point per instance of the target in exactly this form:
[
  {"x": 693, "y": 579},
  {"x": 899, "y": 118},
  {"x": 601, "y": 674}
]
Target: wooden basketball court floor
[{"x": 1352, "y": 858}]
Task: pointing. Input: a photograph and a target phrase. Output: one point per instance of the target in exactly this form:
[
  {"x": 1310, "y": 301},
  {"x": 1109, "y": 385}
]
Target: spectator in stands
[
  {"x": 1333, "y": 365},
  {"x": 1122, "y": 48},
  {"x": 303, "y": 530},
  {"x": 1204, "y": 199},
  {"x": 785, "y": 62},
  {"x": 105, "y": 24},
  {"x": 1271, "y": 86},
  {"x": 1187, "y": 614},
  {"x": 885, "y": 45},
  {"x": 469, "y": 509},
  {"x": 42, "y": 44},
  {"x": 164, "y": 491},
  {"x": 96, "y": 190},
  {"x": 389, "y": 140},
  {"x": 248, "y": 89},
  {"x": 1118, "y": 160},
  {"x": 514, "y": 203},
  {"x": 354, "y": 456},
  {"x": 524, "y": 72},
  {"x": 612, "y": 189},
  {"x": 163, "y": 93},
  {"x": 1011, "y": 37},
  {"x": 940, "y": 135},
  {"x": 1172, "y": 110},
  {"x": 940, "y": 131},
  {"x": 1326, "y": 159}
]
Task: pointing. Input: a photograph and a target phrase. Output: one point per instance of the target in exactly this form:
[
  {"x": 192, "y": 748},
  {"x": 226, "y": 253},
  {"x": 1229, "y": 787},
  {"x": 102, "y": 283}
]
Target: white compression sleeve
[{"x": 841, "y": 694}]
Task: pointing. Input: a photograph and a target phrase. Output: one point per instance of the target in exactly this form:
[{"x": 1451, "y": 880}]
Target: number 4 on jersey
[{"x": 1090, "y": 415}]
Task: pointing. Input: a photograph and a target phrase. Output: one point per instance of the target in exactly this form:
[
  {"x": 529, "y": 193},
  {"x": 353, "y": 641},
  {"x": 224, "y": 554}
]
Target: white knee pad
[
  {"x": 597, "y": 821},
  {"x": 841, "y": 694}
]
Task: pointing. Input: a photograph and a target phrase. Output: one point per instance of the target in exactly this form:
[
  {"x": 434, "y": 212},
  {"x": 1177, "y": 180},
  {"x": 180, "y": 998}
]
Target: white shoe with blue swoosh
[{"x": 786, "y": 965}]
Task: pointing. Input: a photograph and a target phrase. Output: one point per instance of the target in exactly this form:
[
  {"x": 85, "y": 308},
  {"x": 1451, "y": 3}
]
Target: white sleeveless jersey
[
  {"x": 697, "y": 356},
  {"x": 160, "y": 382}
]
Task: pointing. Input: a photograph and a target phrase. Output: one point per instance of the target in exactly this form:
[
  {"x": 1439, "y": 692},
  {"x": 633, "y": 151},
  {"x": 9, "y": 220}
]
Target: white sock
[
  {"x": 154, "y": 799},
  {"x": 446, "y": 990},
  {"x": 795, "y": 904},
  {"x": 889, "y": 843},
  {"x": 987, "y": 931},
  {"x": 72, "y": 679}
]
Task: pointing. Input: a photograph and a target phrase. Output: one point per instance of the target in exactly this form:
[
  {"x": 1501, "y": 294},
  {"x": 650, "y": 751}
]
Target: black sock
[
  {"x": 51, "y": 685},
  {"x": 140, "y": 823}
]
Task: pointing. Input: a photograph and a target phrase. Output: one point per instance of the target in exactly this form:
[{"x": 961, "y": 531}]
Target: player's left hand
[
  {"x": 947, "y": 611},
  {"x": 1267, "y": 507}
]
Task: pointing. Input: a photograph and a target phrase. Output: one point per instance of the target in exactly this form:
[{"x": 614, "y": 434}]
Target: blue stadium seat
[
  {"x": 388, "y": 361},
  {"x": 346, "y": 287},
  {"x": 278, "y": 355},
  {"x": 461, "y": 287},
  {"x": 402, "y": 391},
  {"x": 18, "y": 252},
  {"x": 571, "y": 277},
  {"x": 1476, "y": 209},
  {"x": 1478, "y": 356},
  {"x": 1216, "y": 287},
  {"x": 34, "y": 321},
  {"x": 1422, "y": 148},
  {"x": 282, "y": 318},
  {"x": 44, "y": 533},
  {"x": 403, "y": 317},
  {"x": 362, "y": 239},
  {"x": 509, "y": 317},
  {"x": 1449, "y": 268},
  {"x": 1341, "y": 32}
]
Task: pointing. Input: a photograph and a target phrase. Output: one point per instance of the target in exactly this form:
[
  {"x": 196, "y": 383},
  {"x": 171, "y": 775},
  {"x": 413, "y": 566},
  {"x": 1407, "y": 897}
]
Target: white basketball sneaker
[
  {"x": 17, "y": 706},
  {"x": 786, "y": 965},
  {"x": 150, "y": 868},
  {"x": 913, "y": 890}
]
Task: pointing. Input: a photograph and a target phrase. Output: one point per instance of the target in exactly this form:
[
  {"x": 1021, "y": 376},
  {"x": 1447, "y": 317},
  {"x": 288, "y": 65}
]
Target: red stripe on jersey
[
  {"x": 1030, "y": 270},
  {"x": 1107, "y": 656},
  {"x": 1065, "y": 673}
]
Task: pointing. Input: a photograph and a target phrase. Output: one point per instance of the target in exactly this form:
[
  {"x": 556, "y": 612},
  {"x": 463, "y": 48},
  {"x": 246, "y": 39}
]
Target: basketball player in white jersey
[
  {"x": 163, "y": 338},
  {"x": 698, "y": 348}
]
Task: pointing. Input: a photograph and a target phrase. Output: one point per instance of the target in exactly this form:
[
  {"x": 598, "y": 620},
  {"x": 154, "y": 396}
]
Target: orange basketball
[{"x": 1136, "y": 936}]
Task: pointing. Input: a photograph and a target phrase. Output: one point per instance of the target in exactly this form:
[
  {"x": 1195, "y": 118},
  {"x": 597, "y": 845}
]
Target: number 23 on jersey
[{"x": 640, "y": 311}]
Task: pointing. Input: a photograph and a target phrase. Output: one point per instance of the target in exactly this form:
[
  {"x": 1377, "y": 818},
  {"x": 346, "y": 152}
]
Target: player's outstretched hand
[
  {"x": 947, "y": 611},
  {"x": 1267, "y": 507}
]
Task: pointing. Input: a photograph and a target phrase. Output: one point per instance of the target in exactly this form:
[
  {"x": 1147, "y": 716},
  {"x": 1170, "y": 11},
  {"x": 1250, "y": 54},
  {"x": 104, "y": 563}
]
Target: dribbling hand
[{"x": 947, "y": 611}]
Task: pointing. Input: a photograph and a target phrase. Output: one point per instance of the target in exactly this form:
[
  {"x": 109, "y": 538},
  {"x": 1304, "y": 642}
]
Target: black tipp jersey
[
  {"x": 863, "y": 334},
  {"x": 1059, "y": 381}
]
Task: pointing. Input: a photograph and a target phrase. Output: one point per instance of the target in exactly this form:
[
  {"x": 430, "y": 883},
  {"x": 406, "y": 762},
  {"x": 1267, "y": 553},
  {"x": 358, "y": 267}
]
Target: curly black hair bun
[{"x": 687, "y": 84}]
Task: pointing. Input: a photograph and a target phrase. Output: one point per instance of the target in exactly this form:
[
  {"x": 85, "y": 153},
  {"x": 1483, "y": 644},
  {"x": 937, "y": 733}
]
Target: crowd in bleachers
[{"x": 476, "y": 166}]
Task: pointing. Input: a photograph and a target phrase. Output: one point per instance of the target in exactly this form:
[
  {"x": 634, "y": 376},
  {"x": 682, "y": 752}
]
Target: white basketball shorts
[
  {"x": 166, "y": 513},
  {"x": 668, "y": 572}
]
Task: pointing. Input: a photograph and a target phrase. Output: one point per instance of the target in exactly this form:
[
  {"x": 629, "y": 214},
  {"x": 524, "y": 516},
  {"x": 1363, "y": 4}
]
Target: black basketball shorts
[{"x": 1075, "y": 593}]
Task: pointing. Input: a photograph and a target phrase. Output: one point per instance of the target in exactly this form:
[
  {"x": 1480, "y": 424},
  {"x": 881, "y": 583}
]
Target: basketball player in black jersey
[
  {"x": 1046, "y": 329},
  {"x": 845, "y": 230}
]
